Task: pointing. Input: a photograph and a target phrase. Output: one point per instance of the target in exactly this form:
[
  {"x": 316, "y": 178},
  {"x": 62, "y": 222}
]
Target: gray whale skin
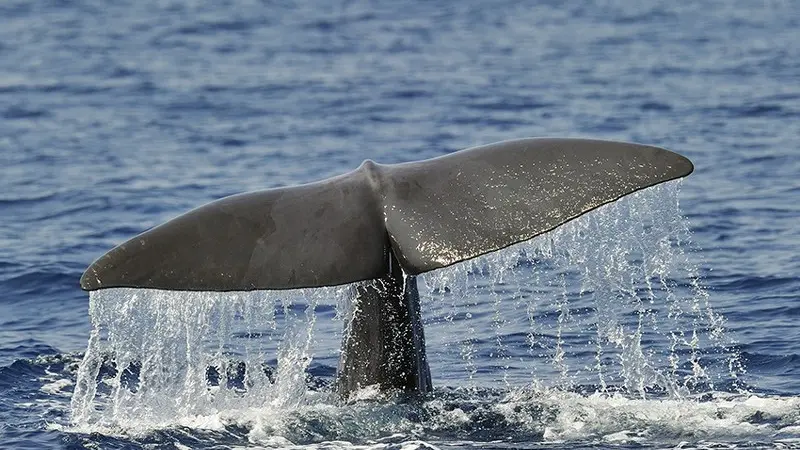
[{"x": 384, "y": 225}]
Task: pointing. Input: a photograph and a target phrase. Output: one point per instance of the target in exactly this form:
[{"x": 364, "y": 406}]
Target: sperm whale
[{"x": 382, "y": 226}]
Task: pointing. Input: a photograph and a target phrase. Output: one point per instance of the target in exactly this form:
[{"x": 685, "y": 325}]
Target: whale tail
[
  {"x": 428, "y": 214},
  {"x": 385, "y": 224}
]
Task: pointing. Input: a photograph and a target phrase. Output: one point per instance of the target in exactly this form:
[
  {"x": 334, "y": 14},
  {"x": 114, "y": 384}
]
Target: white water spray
[
  {"x": 609, "y": 299},
  {"x": 157, "y": 356}
]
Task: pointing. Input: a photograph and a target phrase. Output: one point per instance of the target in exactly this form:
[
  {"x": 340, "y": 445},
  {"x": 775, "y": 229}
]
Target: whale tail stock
[{"x": 385, "y": 223}]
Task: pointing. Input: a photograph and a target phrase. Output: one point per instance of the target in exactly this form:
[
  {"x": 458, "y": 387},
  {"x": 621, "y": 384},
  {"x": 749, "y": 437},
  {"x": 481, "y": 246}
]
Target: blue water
[{"x": 116, "y": 116}]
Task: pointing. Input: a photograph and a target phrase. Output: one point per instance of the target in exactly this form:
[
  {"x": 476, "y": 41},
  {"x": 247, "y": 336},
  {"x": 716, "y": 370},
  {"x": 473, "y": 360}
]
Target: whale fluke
[
  {"x": 428, "y": 214},
  {"x": 384, "y": 224}
]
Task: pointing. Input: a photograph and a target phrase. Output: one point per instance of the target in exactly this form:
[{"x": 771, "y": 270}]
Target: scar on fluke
[{"x": 383, "y": 225}]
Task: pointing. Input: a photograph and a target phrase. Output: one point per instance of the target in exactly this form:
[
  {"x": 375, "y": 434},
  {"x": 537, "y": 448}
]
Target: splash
[
  {"x": 607, "y": 307},
  {"x": 612, "y": 300},
  {"x": 157, "y": 356}
]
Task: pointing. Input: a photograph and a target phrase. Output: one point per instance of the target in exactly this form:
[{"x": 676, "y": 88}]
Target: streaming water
[
  {"x": 157, "y": 356},
  {"x": 611, "y": 302},
  {"x": 611, "y": 299}
]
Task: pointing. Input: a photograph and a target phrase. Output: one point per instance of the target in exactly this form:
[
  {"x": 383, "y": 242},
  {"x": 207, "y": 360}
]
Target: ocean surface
[{"x": 669, "y": 319}]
